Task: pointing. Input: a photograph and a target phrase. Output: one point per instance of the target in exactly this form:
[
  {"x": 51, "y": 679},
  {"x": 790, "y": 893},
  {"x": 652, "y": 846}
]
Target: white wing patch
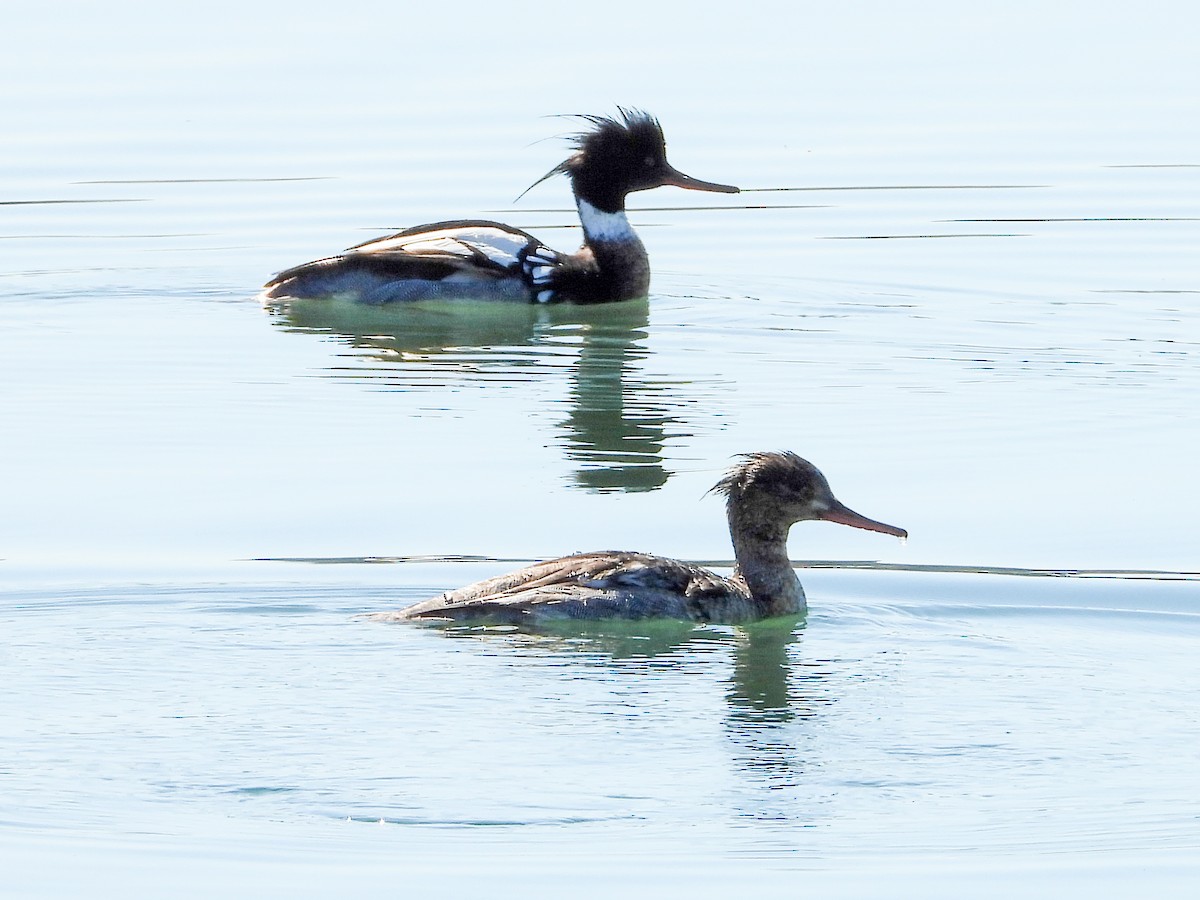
[
  {"x": 540, "y": 274},
  {"x": 525, "y": 257},
  {"x": 540, "y": 265},
  {"x": 500, "y": 246}
]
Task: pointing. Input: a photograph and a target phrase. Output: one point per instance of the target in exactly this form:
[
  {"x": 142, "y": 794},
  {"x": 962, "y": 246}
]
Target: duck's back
[
  {"x": 603, "y": 585},
  {"x": 465, "y": 258}
]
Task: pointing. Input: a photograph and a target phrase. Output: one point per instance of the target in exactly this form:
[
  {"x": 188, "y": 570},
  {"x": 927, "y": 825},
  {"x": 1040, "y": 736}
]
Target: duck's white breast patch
[{"x": 605, "y": 226}]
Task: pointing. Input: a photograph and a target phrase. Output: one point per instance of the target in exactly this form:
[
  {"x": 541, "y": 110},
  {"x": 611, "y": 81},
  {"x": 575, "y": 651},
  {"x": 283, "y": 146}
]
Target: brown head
[{"x": 770, "y": 490}]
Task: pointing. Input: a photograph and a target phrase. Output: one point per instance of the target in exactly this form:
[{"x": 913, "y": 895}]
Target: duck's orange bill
[
  {"x": 844, "y": 515},
  {"x": 675, "y": 178}
]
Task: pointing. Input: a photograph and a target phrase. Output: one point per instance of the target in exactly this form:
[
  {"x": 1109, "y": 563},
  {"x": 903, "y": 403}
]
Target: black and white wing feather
[{"x": 467, "y": 257}]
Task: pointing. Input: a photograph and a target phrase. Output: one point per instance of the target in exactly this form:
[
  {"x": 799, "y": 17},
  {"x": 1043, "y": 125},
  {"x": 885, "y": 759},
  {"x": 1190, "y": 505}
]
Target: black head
[
  {"x": 620, "y": 155},
  {"x": 785, "y": 488}
]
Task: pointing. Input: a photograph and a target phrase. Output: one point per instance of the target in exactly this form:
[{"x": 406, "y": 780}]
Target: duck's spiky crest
[
  {"x": 762, "y": 468},
  {"x": 634, "y": 125}
]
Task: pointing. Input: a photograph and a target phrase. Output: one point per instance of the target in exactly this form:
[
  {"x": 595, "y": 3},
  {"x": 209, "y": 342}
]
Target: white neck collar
[{"x": 608, "y": 227}]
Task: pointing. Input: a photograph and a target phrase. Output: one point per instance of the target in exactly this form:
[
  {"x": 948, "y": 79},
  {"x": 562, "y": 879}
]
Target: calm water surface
[{"x": 962, "y": 280}]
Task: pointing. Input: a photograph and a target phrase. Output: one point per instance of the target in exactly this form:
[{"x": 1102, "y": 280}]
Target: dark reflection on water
[
  {"x": 759, "y": 689},
  {"x": 617, "y": 423},
  {"x": 764, "y": 687},
  {"x": 657, "y": 640},
  {"x": 767, "y": 693},
  {"x": 618, "y": 419}
]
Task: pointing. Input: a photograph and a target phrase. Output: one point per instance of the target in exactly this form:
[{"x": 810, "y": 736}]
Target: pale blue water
[{"x": 963, "y": 282}]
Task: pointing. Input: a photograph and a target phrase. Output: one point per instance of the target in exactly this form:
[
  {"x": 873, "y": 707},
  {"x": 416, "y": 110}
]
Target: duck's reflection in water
[
  {"x": 759, "y": 689},
  {"x": 770, "y": 689},
  {"x": 617, "y": 422},
  {"x": 618, "y": 418},
  {"x": 770, "y": 694}
]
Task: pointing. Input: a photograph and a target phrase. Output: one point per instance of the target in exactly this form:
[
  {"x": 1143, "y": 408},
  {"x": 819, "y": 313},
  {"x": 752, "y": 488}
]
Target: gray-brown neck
[{"x": 760, "y": 547}]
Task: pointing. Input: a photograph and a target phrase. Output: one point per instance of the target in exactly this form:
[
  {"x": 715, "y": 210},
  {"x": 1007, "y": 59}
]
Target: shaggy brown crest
[{"x": 780, "y": 473}]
